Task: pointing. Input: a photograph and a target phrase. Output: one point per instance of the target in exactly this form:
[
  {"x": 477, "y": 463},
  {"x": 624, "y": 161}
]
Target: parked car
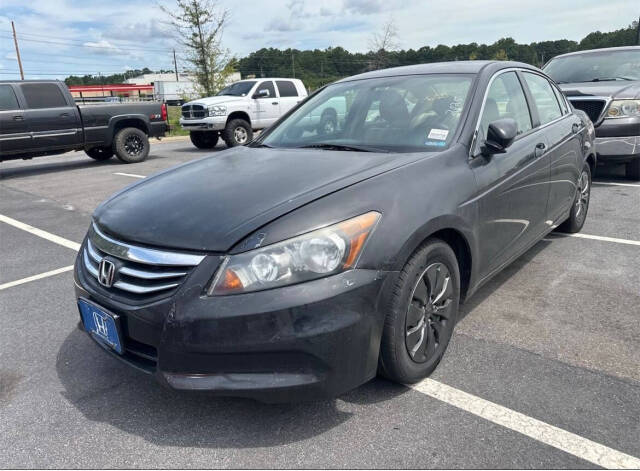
[
  {"x": 605, "y": 83},
  {"x": 40, "y": 117},
  {"x": 302, "y": 265},
  {"x": 239, "y": 109}
]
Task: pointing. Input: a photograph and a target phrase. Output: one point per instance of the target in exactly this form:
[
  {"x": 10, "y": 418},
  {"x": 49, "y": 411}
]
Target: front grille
[
  {"x": 193, "y": 112},
  {"x": 140, "y": 273},
  {"x": 593, "y": 108}
]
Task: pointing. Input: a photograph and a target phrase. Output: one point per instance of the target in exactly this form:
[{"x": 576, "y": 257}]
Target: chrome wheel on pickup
[{"x": 237, "y": 132}]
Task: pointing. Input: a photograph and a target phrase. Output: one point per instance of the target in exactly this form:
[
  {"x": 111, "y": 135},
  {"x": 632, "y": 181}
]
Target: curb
[{"x": 171, "y": 138}]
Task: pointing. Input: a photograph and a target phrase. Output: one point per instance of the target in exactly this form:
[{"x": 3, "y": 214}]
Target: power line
[{"x": 94, "y": 46}]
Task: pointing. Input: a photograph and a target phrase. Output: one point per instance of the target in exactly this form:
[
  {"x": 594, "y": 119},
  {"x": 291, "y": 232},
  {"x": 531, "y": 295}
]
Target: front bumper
[
  {"x": 302, "y": 342},
  {"x": 213, "y": 123},
  {"x": 618, "y": 139}
]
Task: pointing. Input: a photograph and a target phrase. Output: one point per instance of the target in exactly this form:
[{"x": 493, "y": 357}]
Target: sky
[{"x": 62, "y": 37}]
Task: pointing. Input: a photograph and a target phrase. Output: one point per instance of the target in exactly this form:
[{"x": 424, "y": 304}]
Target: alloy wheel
[
  {"x": 582, "y": 198},
  {"x": 240, "y": 135},
  {"x": 429, "y": 313},
  {"x": 133, "y": 145}
]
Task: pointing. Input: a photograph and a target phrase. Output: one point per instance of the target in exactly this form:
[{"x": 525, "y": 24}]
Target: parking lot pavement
[{"x": 554, "y": 339}]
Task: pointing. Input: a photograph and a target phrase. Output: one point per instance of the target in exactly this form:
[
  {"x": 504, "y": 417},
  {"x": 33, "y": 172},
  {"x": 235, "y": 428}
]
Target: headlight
[
  {"x": 217, "y": 110},
  {"x": 317, "y": 254},
  {"x": 623, "y": 109}
]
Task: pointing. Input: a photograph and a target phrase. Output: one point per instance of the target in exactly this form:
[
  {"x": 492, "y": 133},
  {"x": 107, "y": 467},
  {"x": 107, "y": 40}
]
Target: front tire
[
  {"x": 99, "y": 153},
  {"x": 632, "y": 169},
  {"x": 237, "y": 132},
  {"x": 421, "y": 313},
  {"x": 578, "y": 214},
  {"x": 131, "y": 145},
  {"x": 204, "y": 139}
]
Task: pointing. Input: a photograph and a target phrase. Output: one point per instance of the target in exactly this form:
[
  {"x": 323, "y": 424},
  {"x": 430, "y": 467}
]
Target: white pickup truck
[{"x": 239, "y": 109}]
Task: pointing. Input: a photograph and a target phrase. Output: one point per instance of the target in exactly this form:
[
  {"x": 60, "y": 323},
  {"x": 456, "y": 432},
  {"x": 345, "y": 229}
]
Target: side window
[
  {"x": 562, "y": 100},
  {"x": 544, "y": 97},
  {"x": 267, "y": 85},
  {"x": 43, "y": 95},
  {"x": 8, "y": 100},
  {"x": 286, "y": 88},
  {"x": 506, "y": 99}
]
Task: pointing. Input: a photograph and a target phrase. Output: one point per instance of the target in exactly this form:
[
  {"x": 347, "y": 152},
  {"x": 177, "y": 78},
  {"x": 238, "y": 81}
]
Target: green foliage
[
  {"x": 108, "y": 79},
  {"x": 319, "y": 67}
]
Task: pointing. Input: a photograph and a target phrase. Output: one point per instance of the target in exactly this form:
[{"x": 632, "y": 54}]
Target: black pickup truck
[{"x": 40, "y": 117}]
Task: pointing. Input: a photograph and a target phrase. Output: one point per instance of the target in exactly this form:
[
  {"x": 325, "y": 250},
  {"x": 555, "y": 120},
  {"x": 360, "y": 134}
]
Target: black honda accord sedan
[{"x": 301, "y": 266}]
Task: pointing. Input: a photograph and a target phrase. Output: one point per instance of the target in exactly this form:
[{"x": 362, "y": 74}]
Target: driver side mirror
[
  {"x": 263, "y": 93},
  {"x": 500, "y": 135}
]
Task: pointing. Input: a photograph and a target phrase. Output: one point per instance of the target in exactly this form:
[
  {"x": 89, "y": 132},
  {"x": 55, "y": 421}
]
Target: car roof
[
  {"x": 29, "y": 81},
  {"x": 266, "y": 78},
  {"x": 452, "y": 67},
  {"x": 604, "y": 49}
]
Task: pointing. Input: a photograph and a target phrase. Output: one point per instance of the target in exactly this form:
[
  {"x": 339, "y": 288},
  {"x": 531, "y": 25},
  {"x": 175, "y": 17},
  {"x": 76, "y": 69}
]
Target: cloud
[
  {"x": 283, "y": 25},
  {"x": 103, "y": 46},
  {"x": 11, "y": 56}
]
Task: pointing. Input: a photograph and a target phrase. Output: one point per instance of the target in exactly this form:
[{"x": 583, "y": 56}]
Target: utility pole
[
  {"x": 293, "y": 67},
  {"x": 175, "y": 65},
  {"x": 15, "y": 41},
  {"x": 638, "y": 28}
]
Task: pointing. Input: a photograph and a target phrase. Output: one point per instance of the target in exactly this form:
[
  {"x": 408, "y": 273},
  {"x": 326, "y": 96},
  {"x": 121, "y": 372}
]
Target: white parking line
[
  {"x": 605, "y": 239},
  {"x": 568, "y": 442},
  {"x": 40, "y": 233},
  {"x": 133, "y": 175},
  {"x": 616, "y": 184},
  {"x": 36, "y": 277}
]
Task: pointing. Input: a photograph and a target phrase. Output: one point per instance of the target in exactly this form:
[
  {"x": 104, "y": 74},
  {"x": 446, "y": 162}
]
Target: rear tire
[
  {"x": 422, "y": 313},
  {"x": 632, "y": 169},
  {"x": 204, "y": 139},
  {"x": 237, "y": 132},
  {"x": 131, "y": 145},
  {"x": 99, "y": 153},
  {"x": 580, "y": 206}
]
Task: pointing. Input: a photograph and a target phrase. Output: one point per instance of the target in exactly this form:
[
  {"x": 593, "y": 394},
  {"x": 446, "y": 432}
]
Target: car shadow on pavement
[
  {"x": 105, "y": 390},
  {"x": 504, "y": 275}
]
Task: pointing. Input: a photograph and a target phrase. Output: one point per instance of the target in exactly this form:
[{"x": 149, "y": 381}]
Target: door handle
[
  {"x": 64, "y": 115},
  {"x": 274, "y": 102},
  {"x": 18, "y": 118},
  {"x": 541, "y": 148},
  {"x": 575, "y": 128}
]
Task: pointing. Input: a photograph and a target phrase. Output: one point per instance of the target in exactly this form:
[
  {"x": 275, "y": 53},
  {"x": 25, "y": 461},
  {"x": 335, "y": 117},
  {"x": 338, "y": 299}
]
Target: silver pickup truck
[{"x": 40, "y": 117}]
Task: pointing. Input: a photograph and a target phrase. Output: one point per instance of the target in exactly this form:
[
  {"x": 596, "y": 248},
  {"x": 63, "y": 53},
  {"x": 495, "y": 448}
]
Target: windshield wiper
[
  {"x": 610, "y": 79},
  {"x": 353, "y": 148}
]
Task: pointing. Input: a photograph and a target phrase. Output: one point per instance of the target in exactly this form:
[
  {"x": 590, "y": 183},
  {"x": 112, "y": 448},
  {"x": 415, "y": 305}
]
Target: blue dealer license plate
[{"x": 101, "y": 324}]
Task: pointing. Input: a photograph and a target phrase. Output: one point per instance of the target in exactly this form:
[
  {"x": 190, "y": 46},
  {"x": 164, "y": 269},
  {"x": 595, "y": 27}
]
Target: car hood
[
  {"x": 217, "y": 100},
  {"x": 212, "y": 203},
  {"x": 613, "y": 89}
]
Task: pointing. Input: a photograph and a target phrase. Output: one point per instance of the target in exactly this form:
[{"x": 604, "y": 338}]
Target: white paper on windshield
[{"x": 439, "y": 134}]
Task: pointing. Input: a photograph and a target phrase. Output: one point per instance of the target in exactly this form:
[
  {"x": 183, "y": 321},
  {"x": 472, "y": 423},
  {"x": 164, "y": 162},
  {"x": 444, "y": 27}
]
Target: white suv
[{"x": 239, "y": 109}]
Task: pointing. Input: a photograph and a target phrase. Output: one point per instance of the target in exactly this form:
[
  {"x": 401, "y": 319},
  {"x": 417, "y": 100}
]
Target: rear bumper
[
  {"x": 303, "y": 342},
  {"x": 158, "y": 129}
]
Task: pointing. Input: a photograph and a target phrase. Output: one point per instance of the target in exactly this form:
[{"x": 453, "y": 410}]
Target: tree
[
  {"x": 383, "y": 42},
  {"x": 199, "y": 25}
]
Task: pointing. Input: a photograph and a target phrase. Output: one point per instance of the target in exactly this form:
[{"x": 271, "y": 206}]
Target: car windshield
[
  {"x": 595, "y": 67},
  {"x": 391, "y": 114},
  {"x": 237, "y": 89}
]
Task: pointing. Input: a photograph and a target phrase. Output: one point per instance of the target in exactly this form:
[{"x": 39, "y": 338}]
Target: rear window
[
  {"x": 8, "y": 100},
  {"x": 43, "y": 95},
  {"x": 286, "y": 88}
]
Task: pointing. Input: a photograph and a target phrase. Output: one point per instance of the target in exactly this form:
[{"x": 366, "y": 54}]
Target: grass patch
[{"x": 174, "y": 122}]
